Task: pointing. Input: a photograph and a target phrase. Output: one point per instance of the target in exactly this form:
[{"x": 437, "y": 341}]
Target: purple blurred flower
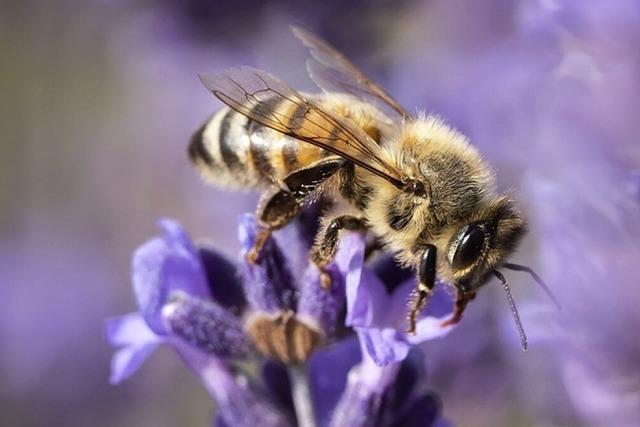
[
  {"x": 547, "y": 90},
  {"x": 390, "y": 395},
  {"x": 189, "y": 299},
  {"x": 350, "y": 389}
]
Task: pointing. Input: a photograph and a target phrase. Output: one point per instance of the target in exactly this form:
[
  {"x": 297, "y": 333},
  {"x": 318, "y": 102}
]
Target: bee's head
[
  {"x": 483, "y": 242},
  {"x": 481, "y": 245}
]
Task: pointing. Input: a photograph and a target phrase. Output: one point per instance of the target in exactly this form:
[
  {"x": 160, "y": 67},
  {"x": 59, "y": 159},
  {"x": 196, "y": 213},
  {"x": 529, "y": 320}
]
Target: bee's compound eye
[{"x": 469, "y": 247}]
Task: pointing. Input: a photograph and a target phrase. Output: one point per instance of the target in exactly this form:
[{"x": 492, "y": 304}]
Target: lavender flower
[
  {"x": 283, "y": 322},
  {"x": 176, "y": 309}
]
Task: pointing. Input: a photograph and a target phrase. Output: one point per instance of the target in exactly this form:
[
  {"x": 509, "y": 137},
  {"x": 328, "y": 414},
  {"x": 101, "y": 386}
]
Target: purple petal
[
  {"x": 366, "y": 300},
  {"x": 129, "y": 329},
  {"x": 411, "y": 373},
  {"x": 428, "y": 328},
  {"x": 386, "y": 339},
  {"x": 360, "y": 403},
  {"x": 237, "y": 403},
  {"x": 163, "y": 265},
  {"x": 137, "y": 341},
  {"x": 309, "y": 222},
  {"x": 423, "y": 412},
  {"x": 402, "y": 407},
  {"x": 392, "y": 274},
  {"x": 223, "y": 278},
  {"x": 384, "y": 346},
  {"x": 206, "y": 326},
  {"x": 293, "y": 238},
  {"x": 324, "y": 306},
  {"x": 268, "y": 284},
  {"x": 276, "y": 380},
  {"x": 377, "y": 395},
  {"x": 126, "y": 361},
  {"x": 175, "y": 235},
  {"x": 380, "y": 317},
  {"x": 328, "y": 369},
  {"x": 218, "y": 421}
]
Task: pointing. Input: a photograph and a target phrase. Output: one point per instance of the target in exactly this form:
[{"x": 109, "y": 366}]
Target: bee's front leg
[
  {"x": 462, "y": 299},
  {"x": 324, "y": 250},
  {"x": 426, "y": 282}
]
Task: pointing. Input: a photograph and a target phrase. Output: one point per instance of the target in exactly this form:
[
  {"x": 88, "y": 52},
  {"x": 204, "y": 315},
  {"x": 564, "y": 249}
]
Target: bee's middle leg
[
  {"x": 326, "y": 246},
  {"x": 274, "y": 212}
]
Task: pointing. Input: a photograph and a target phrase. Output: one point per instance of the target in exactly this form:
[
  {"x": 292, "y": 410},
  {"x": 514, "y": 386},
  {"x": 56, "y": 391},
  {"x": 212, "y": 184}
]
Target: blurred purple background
[{"x": 101, "y": 97}]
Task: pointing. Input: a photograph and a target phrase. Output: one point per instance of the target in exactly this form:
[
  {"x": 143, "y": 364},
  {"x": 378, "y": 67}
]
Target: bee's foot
[
  {"x": 462, "y": 299},
  {"x": 253, "y": 255},
  {"x": 325, "y": 279},
  {"x": 411, "y": 330},
  {"x": 454, "y": 320}
]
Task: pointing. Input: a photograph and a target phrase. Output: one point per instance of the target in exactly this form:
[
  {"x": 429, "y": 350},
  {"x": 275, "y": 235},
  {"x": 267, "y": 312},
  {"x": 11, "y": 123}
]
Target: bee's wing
[
  {"x": 270, "y": 102},
  {"x": 332, "y": 71}
]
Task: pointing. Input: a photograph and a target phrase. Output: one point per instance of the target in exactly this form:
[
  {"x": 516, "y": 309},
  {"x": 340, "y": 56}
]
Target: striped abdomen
[{"x": 234, "y": 151}]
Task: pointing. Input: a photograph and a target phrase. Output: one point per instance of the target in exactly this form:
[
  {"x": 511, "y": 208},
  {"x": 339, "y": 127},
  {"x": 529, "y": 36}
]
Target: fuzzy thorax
[{"x": 459, "y": 183}]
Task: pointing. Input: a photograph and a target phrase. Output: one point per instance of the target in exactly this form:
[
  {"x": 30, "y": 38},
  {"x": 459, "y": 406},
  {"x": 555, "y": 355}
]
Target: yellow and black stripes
[
  {"x": 228, "y": 145},
  {"x": 221, "y": 152},
  {"x": 261, "y": 145},
  {"x": 235, "y": 151},
  {"x": 197, "y": 150}
]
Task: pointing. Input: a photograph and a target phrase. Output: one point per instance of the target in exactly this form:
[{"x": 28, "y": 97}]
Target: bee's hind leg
[
  {"x": 326, "y": 245},
  {"x": 274, "y": 212},
  {"x": 278, "y": 209}
]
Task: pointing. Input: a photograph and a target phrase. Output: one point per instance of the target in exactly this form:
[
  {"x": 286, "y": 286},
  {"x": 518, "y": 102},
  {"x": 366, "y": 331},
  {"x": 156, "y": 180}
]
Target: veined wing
[
  {"x": 270, "y": 102},
  {"x": 331, "y": 70}
]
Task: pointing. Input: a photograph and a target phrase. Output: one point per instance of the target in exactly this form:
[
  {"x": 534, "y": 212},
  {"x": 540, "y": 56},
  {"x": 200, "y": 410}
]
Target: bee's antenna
[
  {"x": 536, "y": 278},
  {"x": 514, "y": 310}
]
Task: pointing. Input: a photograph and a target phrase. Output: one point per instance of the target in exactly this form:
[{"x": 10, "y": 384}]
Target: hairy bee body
[
  {"x": 462, "y": 191},
  {"x": 412, "y": 181},
  {"x": 233, "y": 151}
]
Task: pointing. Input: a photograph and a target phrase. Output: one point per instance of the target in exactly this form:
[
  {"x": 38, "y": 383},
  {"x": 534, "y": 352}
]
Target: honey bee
[{"x": 412, "y": 180}]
